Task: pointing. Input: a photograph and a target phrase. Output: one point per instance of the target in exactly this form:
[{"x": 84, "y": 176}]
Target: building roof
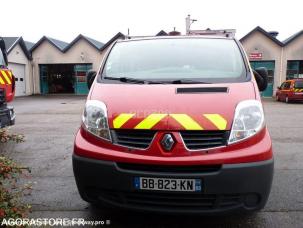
[
  {"x": 96, "y": 44},
  {"x": 29, "y": 45},
  {"x": 64, "y": 46},
  {"x": 59, "y": 44},
  {"x": 265, "y": 33},
  {"x": 162, "y": 33},
  {"x": 11, "y": 42},
  {"x": 119, "y": 35},
  {"x": 293, "y": 37}
]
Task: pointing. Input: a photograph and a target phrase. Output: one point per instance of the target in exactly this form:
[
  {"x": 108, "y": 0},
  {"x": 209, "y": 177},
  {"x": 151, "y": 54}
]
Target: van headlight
[
  {"x": 248, "y": 120},
  {"x": 95, "y": 119}
]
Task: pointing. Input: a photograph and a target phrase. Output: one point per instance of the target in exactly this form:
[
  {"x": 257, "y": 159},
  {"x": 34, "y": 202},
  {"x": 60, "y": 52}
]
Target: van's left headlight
[
  {"x": 95, "y": 119},
  {"x": 248, "y": 120}
]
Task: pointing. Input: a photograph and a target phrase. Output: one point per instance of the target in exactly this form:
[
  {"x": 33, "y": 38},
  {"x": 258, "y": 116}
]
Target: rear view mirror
[
  {"x": 261, "y": 76},
  {"x": 90, "y": 76}
]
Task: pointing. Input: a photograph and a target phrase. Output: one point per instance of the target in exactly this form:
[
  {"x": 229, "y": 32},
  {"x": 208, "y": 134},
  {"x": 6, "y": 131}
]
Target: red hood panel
[{"x": 136, "y": 102}]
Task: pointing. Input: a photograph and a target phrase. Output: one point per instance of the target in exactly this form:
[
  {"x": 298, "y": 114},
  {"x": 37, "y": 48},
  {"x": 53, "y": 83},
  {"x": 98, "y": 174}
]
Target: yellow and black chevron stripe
[
  {"x": 6, "y": 77},
  {"x": 298, "y": 90},
  {"x": 187, "y": 122}
]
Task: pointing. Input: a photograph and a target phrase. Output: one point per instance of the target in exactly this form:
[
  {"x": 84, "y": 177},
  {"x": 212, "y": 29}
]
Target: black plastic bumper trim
[
  {"x": 7, "y": 116},
  {"x": 248, "y": 182}
]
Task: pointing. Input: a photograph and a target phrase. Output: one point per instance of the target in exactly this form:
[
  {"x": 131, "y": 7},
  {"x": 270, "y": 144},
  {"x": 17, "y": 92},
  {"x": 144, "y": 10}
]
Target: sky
[{"x": 102, "y": 19}]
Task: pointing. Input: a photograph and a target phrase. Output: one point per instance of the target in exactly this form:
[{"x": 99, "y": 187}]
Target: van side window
[{"x": 287, "y": 85}]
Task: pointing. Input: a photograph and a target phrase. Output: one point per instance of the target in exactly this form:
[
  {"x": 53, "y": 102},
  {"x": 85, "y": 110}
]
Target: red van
[
  {"x": 290, "y": 90},
  {"x": 7, "y": 89},
  {"x": 175, "y": 124}
]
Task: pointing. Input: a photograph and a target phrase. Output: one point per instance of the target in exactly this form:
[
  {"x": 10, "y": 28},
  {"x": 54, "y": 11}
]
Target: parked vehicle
[
  {"x": 290, "y": 90},
  {"x": 175, "y": 124},
  {"x": 7, "y": 89}
]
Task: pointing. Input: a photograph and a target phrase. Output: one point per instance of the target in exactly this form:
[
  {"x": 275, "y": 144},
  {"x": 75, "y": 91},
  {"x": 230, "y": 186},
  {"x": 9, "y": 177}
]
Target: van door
[{"x": 285, "y": 90}]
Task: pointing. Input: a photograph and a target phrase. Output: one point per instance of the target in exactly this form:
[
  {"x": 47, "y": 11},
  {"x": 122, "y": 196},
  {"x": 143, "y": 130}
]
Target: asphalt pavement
[{"x": 49, "y": 124}]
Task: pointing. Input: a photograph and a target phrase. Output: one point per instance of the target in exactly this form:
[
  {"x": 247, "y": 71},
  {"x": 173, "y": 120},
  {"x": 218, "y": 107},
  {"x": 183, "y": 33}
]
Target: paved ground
[{"x": 50, "y": 123}]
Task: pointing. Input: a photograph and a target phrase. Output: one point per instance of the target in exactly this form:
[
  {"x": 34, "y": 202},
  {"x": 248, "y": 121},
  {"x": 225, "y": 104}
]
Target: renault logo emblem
[{"x": 167, "y": 142}]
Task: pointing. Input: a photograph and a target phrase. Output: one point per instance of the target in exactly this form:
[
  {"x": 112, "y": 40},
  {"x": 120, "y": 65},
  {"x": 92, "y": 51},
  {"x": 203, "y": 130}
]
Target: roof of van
[{"x": 175, "y": 37}]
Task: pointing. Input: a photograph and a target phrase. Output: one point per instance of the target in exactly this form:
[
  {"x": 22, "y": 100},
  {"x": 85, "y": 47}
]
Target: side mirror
[
  {"x": 3, "y": 49},
  {"x": 261, "y": 76},
  {"x": 2, "y": 44},
  {"x": 279, "y": 87},
  {"x": 90, "y": 77}
]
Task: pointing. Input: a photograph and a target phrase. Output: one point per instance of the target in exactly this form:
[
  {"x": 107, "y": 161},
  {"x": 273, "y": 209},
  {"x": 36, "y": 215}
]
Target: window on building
[
  {"x": 270, "y": 76},
  {"x": 294, "y": 69}
]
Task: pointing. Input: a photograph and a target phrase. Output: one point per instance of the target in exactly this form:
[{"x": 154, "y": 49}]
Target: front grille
[
  {"x": 133, "y": 138},
  {"x": 169, "y": 168},
  {"x": 197, "y": 140},
  {"x": 170, "y": 201},
  {"x": 2, "y": 96}
]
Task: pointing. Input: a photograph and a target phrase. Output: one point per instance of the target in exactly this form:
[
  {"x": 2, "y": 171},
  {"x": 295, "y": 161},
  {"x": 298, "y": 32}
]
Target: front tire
[{"x": 277, "y": 98}]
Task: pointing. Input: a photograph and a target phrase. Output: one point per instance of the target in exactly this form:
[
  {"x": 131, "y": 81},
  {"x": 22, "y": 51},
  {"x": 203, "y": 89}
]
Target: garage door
[{"x": 19, "y": 73}]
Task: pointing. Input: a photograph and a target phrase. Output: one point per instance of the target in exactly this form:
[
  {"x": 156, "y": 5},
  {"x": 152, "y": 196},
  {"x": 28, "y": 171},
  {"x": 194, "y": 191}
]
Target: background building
[
  {"x": 60, "y": 67},
  {"x": 293, "y": 54},
  {"x": 19, "y": 60},
  {"x": 54, "y": 66},
  {"x": 283, "y": 59}
]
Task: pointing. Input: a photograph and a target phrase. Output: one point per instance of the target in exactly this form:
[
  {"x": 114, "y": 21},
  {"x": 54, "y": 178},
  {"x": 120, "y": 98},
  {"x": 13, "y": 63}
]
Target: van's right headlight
[
  {"x": 95, "y": 119},
  {"x": 248, "y": 120}
]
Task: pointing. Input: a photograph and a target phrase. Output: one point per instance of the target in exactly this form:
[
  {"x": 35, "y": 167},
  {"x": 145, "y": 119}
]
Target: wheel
[
  {"x": 277, "y": 98},
  {"x": 286, "y": 99}
]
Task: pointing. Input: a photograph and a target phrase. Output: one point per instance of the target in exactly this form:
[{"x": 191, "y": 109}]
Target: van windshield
[
  {"x": 205, "y": 59},
  {"x": 2, "y": 62}
]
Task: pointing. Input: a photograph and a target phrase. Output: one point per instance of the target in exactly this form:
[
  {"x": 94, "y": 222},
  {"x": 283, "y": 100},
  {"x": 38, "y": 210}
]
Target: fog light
[{"x": 251, "y": 200}]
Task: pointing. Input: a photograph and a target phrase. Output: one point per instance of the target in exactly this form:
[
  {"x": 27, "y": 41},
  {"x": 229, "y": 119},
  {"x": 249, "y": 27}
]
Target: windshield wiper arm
[
  {"x": 142, "y": 81},
  {"x": 188, "y": 81},
  {"x": 132, "y": 80}
]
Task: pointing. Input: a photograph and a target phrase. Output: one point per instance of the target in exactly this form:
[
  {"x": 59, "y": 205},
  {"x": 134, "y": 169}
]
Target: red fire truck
[{"x": 7, "y": 89}]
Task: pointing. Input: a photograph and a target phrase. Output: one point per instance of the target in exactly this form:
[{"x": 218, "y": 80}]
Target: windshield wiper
[
  {"x": 132, "y": 80},
  {"x": 142, "y": 81},
  {"x": 188, "y": 81}
]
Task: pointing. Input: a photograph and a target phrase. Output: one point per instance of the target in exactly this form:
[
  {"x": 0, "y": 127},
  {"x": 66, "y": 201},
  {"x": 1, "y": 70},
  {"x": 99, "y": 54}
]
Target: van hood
[{"x": 161, "y": 107}]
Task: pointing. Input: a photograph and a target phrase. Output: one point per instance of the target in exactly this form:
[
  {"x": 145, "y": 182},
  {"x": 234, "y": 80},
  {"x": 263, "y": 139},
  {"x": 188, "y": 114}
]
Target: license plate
[{"x": 168, "y": 184}]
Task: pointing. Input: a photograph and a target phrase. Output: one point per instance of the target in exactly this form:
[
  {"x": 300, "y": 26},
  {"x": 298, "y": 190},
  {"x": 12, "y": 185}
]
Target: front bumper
[
  {"x": 7, "y": 116},
  {"x": 230, "y": 187}
]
